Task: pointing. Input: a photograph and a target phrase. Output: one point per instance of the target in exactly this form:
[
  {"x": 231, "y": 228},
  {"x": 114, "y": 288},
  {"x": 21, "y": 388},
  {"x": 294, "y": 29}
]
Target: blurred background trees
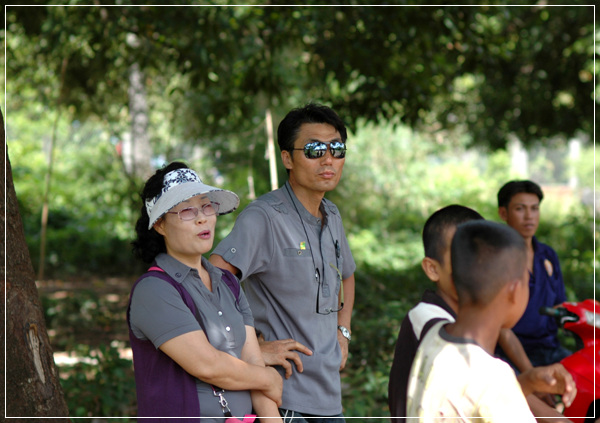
[{"x": 444, "y": 104}]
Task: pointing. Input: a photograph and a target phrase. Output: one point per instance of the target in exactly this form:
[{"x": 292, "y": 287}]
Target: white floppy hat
[{"x": 182, "y": 184}]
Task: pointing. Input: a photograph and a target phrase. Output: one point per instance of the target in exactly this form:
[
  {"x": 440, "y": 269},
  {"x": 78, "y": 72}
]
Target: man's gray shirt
[{"x": 269, "y": 246}]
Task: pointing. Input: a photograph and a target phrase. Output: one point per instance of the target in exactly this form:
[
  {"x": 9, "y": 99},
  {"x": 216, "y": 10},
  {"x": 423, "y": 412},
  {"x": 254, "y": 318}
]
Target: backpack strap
[{"x": 187, "y": 298}]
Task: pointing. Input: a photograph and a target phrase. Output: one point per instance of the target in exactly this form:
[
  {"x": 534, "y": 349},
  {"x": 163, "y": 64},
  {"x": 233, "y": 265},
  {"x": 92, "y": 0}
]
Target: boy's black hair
[
  {"x": 512, "y": 188},
  {"x": 485, "y": 256},
  {"x": 150, "y": 243},
  {"x": 434, "y": 241},
  {"x": 288, "y": 129}
]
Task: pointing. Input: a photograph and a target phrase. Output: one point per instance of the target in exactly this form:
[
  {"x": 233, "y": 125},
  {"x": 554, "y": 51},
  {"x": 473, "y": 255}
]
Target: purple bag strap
[{"x": 232, "y": 282}]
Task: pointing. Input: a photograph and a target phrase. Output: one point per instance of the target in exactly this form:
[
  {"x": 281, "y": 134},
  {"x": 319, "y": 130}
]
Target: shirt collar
[
  {"x": 179, "y": 271},
  {"x": 305, "y": 214}
]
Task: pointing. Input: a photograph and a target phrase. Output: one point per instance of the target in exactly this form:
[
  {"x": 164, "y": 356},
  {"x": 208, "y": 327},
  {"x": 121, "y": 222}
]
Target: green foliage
[
  {"x": 459, "y": 76},
  {"x": 100, "y": 384},
  {"x": 405, "y": 62},
  {"x": 216, "y": 69},
  {"x": 90, "y": 200},
  {"x": 573, "y": 239}
]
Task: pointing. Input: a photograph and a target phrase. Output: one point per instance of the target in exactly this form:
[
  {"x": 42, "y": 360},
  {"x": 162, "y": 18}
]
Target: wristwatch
[{"x": 345, "y": 332}]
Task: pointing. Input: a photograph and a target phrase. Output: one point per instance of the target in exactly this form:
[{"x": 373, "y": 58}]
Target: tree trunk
[
  {"x": 139, "y": 149},
  {"x": 32, "y": 384},
  {"x": 271, "y": 150}
]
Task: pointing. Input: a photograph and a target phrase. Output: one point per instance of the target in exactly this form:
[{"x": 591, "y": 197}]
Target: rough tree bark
[{"x": 32, "y": 384}]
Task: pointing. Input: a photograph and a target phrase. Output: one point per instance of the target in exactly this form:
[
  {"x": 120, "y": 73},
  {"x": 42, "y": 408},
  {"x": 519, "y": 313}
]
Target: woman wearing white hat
[{"x": 195, "y": 350}]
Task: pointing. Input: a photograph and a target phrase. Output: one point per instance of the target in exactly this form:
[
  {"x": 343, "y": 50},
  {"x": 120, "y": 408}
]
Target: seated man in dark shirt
[{"x": 519, "y": 206}]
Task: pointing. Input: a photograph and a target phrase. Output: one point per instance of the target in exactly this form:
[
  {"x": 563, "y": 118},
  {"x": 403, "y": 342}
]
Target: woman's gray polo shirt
[
  {"x": 159, "y": 314},
  {"x": 269, "y": 246}
]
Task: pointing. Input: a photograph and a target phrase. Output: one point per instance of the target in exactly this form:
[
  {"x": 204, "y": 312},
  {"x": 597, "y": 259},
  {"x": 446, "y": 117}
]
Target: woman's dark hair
[{"x": 150, "y": 243}]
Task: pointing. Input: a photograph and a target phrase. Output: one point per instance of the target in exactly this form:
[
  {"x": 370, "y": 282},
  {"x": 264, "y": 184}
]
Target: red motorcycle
[{"x": 583, "y": 320}]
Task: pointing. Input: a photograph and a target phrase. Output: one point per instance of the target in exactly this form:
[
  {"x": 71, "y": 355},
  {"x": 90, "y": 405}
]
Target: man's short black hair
[
  {"x": 485, "y": 256},
  {"x": 434, "y": 241},
  {"x": 512, "y": 188},
  {"x": 288, "y": 129}
]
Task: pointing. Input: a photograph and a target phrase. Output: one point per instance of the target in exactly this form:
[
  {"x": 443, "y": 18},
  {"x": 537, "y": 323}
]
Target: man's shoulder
[
  {"x": 153, "y": 288},
  {"x": 271, "y": 201},
  {"x": 267, "y": 205},
  {"x": 331, "y": 207},
  {"x": 428, "y": 309},
  {"x": 543, "y": 249},
  {"x": 425, "y": 312},
  {"x": 278, "y": 201}
]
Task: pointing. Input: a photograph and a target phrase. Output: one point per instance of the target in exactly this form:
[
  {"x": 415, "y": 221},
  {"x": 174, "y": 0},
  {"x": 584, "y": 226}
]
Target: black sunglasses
[{"x": 317, "y": 149}]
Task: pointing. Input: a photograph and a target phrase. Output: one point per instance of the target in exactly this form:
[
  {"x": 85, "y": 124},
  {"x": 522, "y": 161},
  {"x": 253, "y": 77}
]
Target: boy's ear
[
  {"x": 430, "y": 267},
  {"x": 509, "y": 300},
  {"x": 503, "y": 213},
  {"x": 512, "y": 288}
]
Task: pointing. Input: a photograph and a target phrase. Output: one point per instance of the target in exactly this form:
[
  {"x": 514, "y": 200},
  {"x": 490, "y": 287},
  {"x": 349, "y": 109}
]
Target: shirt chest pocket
[
  {"x": 297, "y": 263},
  {"x": 297, "y": 253}
]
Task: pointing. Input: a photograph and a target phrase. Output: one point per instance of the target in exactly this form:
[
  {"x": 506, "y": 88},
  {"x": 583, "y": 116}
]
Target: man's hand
[
  {"x": 344, "y": 346},
  {"x": 553, "y": 379},
  {"x": 281, "y": 352}
]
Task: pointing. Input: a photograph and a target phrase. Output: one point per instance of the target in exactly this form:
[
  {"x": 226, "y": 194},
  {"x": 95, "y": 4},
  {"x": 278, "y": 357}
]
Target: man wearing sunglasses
[{"x": 290, "y": 250}]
